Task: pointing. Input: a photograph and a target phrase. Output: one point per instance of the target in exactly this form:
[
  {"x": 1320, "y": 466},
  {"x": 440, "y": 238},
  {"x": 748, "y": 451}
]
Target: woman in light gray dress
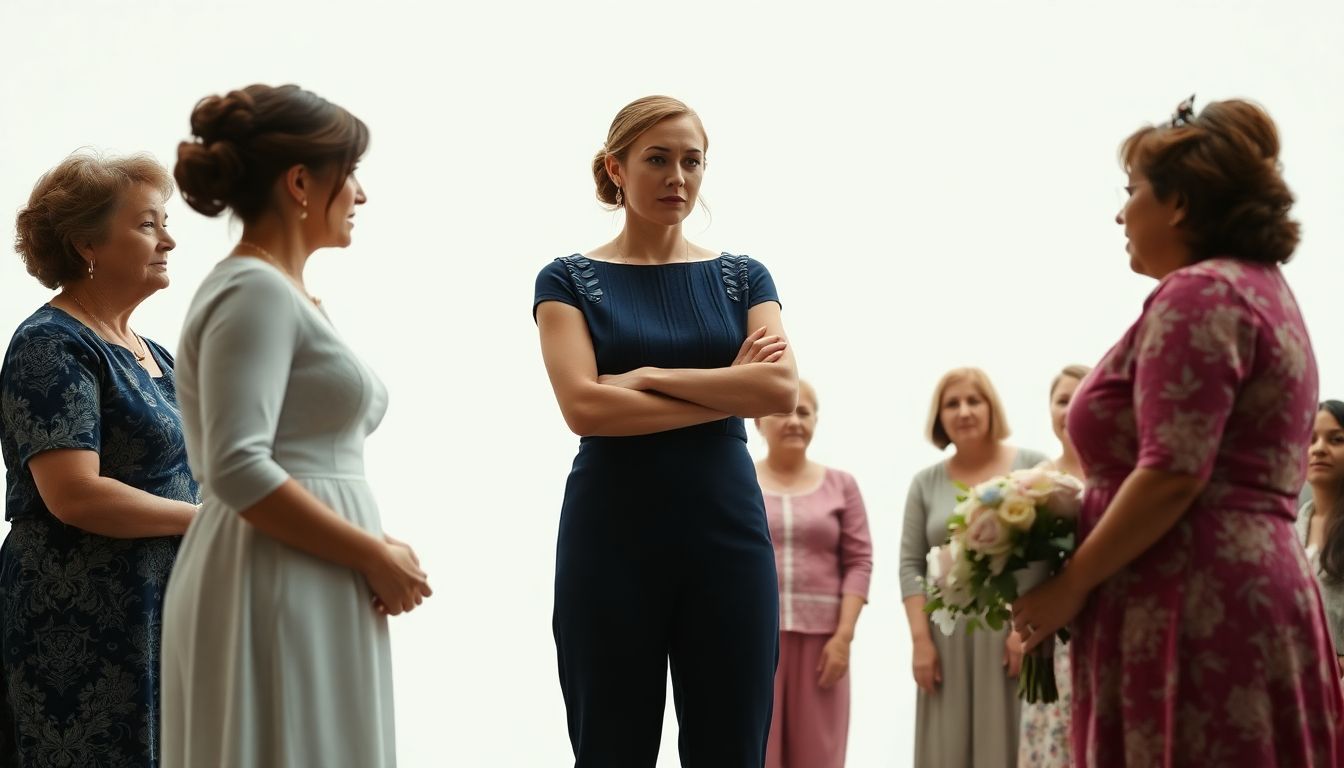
[
  {"x": 1320, "y": 522},
  {"x": 275, "y": 647},
  {"x": 966, "y": 714}
]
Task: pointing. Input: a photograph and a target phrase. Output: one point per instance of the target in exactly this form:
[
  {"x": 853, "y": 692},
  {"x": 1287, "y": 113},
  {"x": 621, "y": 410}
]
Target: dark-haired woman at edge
[
  {"x": 276, "y": 648},
  {"x": 656, "y": 350},
  {"x": 1320, "y": 522}
]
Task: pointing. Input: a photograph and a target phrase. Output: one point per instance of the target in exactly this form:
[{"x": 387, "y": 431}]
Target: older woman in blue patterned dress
[{"x": 97, "y": 486}]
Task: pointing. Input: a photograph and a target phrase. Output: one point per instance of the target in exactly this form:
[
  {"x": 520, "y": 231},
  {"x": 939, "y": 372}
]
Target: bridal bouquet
[{"x": 1006, "y": 536}]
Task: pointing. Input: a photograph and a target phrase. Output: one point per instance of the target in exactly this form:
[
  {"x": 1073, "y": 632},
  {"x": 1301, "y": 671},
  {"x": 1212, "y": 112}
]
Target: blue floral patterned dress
[{"x": 80, "y": 613}]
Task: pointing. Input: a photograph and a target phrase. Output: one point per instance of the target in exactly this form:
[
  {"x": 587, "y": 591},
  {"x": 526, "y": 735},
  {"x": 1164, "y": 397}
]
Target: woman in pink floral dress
[{"x": 1201, "y": 639}]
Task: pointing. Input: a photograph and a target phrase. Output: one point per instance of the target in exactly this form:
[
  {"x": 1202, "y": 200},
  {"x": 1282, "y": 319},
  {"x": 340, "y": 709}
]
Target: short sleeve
[
  {"x": 1195, "y": 346},
  {"x": 762, "y": 285},
  {"x": 49, "y": 395},
  {"x": 556, "y": 283}
]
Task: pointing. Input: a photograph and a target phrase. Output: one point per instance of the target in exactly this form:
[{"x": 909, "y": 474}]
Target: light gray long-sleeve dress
[
  {"x": 272, "y": 657},
  {"x": 971, "y": 721}
]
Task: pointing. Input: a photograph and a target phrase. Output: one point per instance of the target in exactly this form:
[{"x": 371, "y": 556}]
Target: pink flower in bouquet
[
  {"x": 1033, "y": 483},
  {"x": 1066, "y": 500},
  {"x": 940, "y": 563},
  {"x": 986, "y": 534}
]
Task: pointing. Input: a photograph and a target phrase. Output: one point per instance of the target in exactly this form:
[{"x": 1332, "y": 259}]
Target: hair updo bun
[
  {"x": 606, "y": 186},
  {"x": 209, "y": 175},
  {"x": 1224, "y": 167},
  {"x": 231, "y": 117},
  {"x": 633, "y": 120},
  {"x": 247, "y": 138}
]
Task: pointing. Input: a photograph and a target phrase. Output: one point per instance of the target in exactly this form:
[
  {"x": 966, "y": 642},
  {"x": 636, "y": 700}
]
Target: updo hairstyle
[
  {"x": 1224, "y": 166},
  {"x": 245, "y": 139},
  {"x": 633, "y": 120}
]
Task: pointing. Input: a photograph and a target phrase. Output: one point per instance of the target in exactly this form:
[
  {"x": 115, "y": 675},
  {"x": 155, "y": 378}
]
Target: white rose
[
  {"x": 945, "y": 621},
  {"x": 938, "y": 563}
]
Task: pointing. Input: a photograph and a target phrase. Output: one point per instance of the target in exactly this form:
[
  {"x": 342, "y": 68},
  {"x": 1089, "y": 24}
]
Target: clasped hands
[{"x": 397, "y": 581}]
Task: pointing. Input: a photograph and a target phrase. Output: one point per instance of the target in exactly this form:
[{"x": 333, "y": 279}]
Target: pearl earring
[{"x": 304, "y": 213}]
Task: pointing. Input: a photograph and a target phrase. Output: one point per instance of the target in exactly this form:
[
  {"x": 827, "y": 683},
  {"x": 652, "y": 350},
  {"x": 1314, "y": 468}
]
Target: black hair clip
[{"x": 1185, "y": 113}]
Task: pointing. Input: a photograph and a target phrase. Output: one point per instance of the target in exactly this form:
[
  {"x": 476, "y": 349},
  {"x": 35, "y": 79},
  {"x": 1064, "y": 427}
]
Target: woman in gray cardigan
[
  {"x": 1318, "y": 522},
  {"x": 967, "y": 710}
]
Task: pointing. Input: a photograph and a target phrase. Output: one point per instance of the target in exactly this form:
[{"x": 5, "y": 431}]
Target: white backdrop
[{"x": 931, "y": 186}]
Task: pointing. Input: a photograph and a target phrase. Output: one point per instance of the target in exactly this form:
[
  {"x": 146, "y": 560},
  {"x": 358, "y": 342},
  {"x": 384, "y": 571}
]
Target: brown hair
[
  {"x": 633, "y": 120},
  {"x": 1224, "y": 167},
  {"x": 998, "y": 422},
  {"x": 246, "y": 139},
  {"x": 71, "y": 205},
  {"x": 1078, "y": 372}
]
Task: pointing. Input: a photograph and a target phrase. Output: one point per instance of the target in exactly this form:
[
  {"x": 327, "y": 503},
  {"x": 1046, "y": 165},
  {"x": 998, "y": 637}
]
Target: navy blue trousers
[{"x": 664, "y": 557}]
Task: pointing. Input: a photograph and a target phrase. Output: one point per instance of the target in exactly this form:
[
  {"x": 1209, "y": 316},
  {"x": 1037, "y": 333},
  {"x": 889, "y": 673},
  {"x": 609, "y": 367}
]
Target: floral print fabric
[
  {"x": 80, "y": 613},
  {"x": 1211, "y": 648},
  {"x": 1044, "y": 740}
]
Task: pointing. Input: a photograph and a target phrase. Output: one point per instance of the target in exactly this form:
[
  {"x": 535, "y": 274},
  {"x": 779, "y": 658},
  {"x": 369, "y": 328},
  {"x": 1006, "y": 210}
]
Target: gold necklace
[
  {"x": 139, "y": 356},
  {"x": 686, "y": 257},
  {"x": 266, "y": 256}
]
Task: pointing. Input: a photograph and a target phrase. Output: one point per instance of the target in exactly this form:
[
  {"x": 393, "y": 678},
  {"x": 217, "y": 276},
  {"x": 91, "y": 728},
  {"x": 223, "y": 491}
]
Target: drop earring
[
  {"x": 620, "y": 198},
  {"x": 304, "y": 213},
  {"x": 90, "y": 270}
]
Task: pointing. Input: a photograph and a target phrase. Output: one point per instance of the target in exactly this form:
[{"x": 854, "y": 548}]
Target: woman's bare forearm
[
  {"x": 749, "y": 391},
  {"x": 919, "y": 620},
  {"x": 850, "y": 607},
  {"x": 111, "y": 508},
  {"x": 614, "y": 411},
  {"x": 295, "y": 517}
]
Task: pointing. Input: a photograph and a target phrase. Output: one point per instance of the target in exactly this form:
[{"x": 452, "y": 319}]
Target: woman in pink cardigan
[{"x": 824, "y": 556}]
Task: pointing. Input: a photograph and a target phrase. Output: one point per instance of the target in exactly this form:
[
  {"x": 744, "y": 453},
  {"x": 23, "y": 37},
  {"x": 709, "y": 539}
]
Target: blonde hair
[
  {"x": 632, "y": 121},
  {"x": 71, "y": 205},
  {"x": 806, "y": 388},
  {"x": 998, "y": 422},
  {"x": 1078, "y": 372}
]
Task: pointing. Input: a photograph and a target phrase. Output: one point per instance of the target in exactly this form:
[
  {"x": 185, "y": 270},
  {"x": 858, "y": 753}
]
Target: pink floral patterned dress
[{"x": 1211, "y": 648}]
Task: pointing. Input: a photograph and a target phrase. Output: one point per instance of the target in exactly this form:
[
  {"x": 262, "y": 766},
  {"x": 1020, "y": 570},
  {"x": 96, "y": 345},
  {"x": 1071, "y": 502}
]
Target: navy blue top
[
  {"x": 675, "y": 315},
  {"x": 63, "y": 386}
]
